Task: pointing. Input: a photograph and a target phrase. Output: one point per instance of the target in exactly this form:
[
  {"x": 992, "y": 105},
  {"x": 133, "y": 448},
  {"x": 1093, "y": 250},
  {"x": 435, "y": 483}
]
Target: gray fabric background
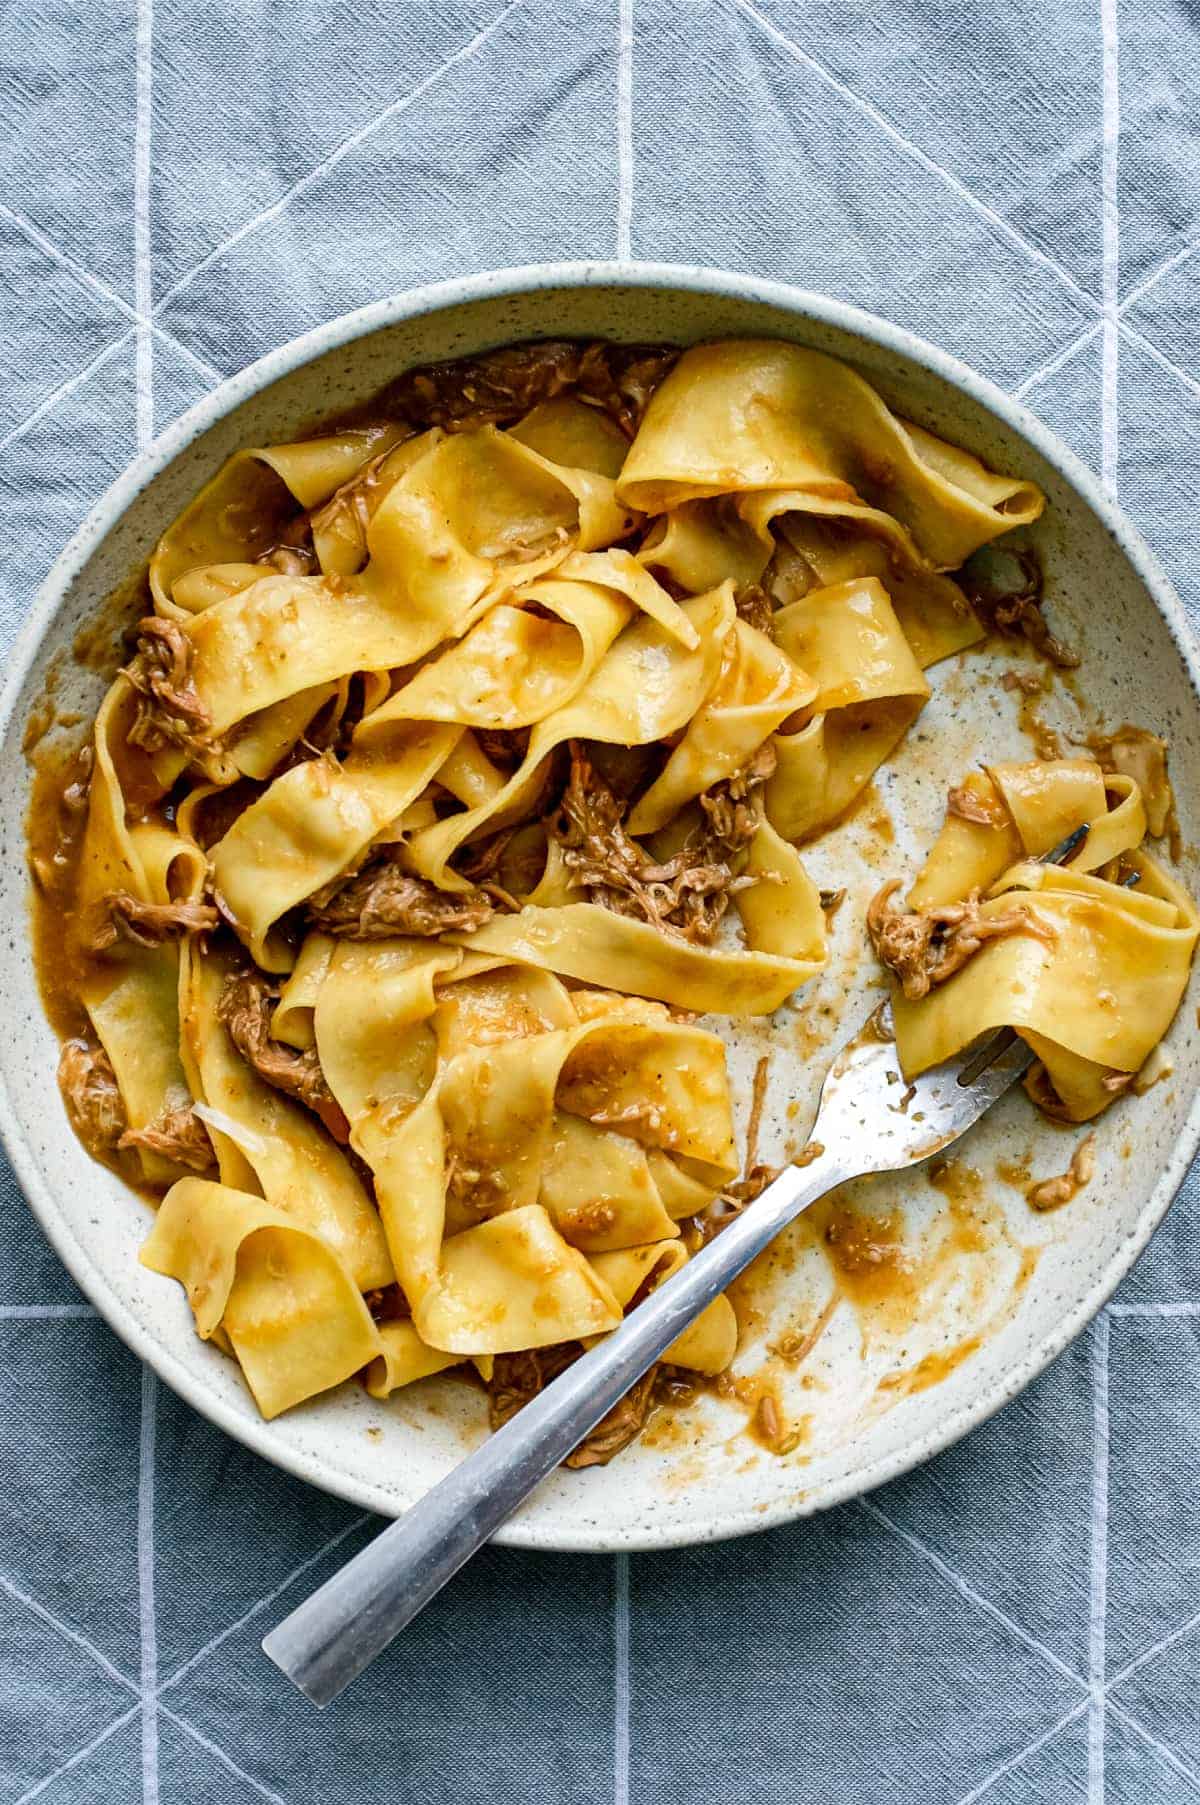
[{"x": 185, "y": 185}]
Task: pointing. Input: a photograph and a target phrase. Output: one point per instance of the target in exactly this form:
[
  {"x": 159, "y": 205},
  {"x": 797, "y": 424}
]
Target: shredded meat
[
  {"x": 481, "y": 859},
  {"x": 93, "y": 1101},
  {"x": 505, "y": 747},
  {"x": 756, "y": 1174},
  {"x": 178, "y": 1135},
  {"x": 686, "y": 894},
  {"x": 728, "y": 1204},
  {"x": 831, "y": 901},
  {"x": 289, "y": 560},
  {"x": 627, "y": 770},
  {"x": 383, "y": 900},
  {"x": 293, "y": 554},
  {"x": 1136, "y": 753},
  {"x": 756, "y": 608},
  {"x": 357, "y": 498},
  {"x": 622, "y": 378},
  {"x": 626, "y": 1118},
  {"x": 518, "y": 1378},
  {"x": 1004, "y": 586},
  {"x": 675, "y": 1386},
  {"x": 924, "y": 947},
  {"x": 501, "y": 386},
  {"x": 1042, "y": 1093},
  {"x": 623, "y": 1424},
  {"x": 983, "y": 810},
  {"x": 170, "y": 710},
  {"x": 149, "y": 924},
  {"x": 387, "y": 1304},
  {"x": 770, "y": 1427},
  {"x": 1052, "y": 1193},
  {"x": 731, "y": 808},
  {"x": 245, "y": 1010},
  {"x": 496, "y": 389},
  {"x": 74, "y": 799},
  {"x": 758, "y": 1099},
  {"x": 794, "y": 1346},
  {"x": 752, "y": 1184}
]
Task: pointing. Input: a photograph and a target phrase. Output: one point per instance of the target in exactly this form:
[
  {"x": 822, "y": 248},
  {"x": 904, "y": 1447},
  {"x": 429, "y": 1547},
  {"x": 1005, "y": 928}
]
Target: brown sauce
[
  {"x": 104, "y": 641},
  {"x": 963, "y": 1188},
  {"x": 1046, "y": 742},
  {"x": 878, "y": 822},
  {"x": 1016, "y": 1172},
  {"x": 44, "y": 716},
  {"x": 866, "y": 1253},
  {"x": 767, "y": 1422},
  {"x": 54, "y": 839},
  {"x": 931, "y": 1370}
]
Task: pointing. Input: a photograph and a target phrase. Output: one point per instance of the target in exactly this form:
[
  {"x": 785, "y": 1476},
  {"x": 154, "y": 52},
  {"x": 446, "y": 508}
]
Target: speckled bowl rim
[{"x": 497, "y": 284}]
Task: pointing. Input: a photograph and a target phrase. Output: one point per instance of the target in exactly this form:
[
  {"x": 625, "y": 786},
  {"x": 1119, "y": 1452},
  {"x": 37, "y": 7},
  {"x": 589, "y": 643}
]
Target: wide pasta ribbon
[
  {"x": 760, "y": 414},
  {"x": 471, "y": 1117},
  {"x": 780, "y": 911},
  {"x": 272, "y": 1288},
  {"x": 794, "y": 542},
  {"x": 516, "y": 666},
  {"x": 869, "y": 690},
  {"x": 706, "y": 1346},
  {"x": 648, "y": 685},
  {"x": 701, "y": 544},
  {"x": 594, "y": 945},
  {"x": 474, "y": 516},
  {"x": 1097, "y": 988},
  {"x": 526, "y": 658},
  {"x": 758, "y": 687},
  {"x": 315, "y": 821},
  {"x": 1007, "y": 812},
  {"x": 709, "y": 1343},
  {"x": 131, "y": 995},
  {"x": 245, "y": 511},
  {"x": 563, "y": 432},
  {"x": 862, "y": 611},
  {"x": 568, "y": 431},
  {"x": 817, "y": 543},
  {"x": 264, "y": 1141}
]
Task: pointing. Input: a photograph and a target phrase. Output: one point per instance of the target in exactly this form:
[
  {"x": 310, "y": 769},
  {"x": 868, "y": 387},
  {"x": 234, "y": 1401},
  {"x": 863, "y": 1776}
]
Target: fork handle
[{"x": 339, "y": 1630}]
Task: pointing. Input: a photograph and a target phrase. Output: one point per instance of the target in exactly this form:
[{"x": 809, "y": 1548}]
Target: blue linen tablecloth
[{"x": 186, "y": 185}]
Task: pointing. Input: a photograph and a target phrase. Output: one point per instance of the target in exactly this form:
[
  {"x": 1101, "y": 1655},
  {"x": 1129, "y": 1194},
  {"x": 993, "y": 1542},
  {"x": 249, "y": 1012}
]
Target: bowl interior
[{"x": 977, "y": 1291}]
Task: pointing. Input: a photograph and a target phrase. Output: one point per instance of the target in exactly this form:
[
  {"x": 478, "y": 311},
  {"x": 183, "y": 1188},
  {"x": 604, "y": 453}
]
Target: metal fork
[{"x": 868, "y": 1120}]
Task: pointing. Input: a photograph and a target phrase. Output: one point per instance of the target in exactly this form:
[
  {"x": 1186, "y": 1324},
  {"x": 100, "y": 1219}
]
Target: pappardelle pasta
[
  {"x": 460, "y": 764},
  {"x": 1087, "y": 960}
]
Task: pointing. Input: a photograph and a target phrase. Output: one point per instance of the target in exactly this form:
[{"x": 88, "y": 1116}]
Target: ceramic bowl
[{"x": 972, "y": 1293}]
